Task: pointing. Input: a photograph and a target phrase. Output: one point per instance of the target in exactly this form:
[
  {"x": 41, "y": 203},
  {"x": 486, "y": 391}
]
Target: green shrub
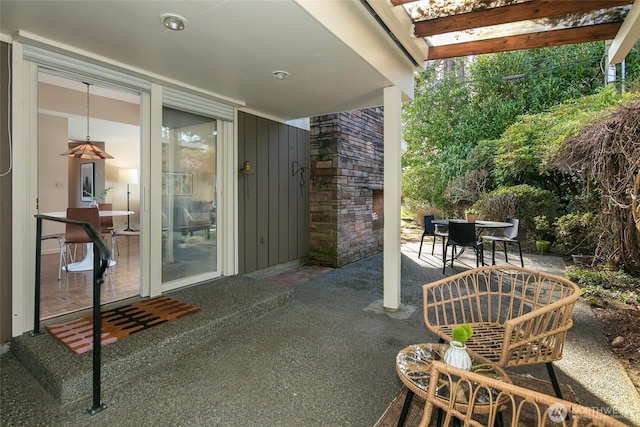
[
  {"x": 520, "y": 201},
  {"x": 577, "y": 233},
  {"x": 598, "y": 286}
]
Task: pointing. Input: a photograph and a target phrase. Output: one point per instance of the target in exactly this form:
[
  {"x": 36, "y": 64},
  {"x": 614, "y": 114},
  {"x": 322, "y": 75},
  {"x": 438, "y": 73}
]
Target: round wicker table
[{"x": 413, "y": 364}]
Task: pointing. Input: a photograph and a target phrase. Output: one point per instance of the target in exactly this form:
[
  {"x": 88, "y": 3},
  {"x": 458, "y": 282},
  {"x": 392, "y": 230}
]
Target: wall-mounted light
[{"x": 246, "y": 169}]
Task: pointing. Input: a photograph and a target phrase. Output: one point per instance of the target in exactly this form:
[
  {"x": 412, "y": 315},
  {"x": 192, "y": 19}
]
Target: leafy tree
[
  {"x": 523, "y": 148},
  {"x": 454, "y": 125}
]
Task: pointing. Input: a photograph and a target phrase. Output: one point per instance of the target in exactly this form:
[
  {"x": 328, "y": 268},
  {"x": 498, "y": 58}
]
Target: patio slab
[{"x": 325, "y": 356}]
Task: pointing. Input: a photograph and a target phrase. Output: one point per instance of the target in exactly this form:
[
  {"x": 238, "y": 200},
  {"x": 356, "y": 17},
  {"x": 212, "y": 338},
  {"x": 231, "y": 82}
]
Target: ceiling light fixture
[
  {"x": 87, "y": 150},
  {"x": 280, "y": 75},
  {"x": 174, "y": 22}
]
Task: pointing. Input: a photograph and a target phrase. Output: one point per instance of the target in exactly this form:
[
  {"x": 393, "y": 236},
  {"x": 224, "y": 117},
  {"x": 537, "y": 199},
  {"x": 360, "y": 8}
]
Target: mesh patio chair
[
  {"x": 519, "y": 316},
  {"x": 462, "y": 234},
  {"x": 429, "y": 230},
  {"x": 510, "y": 236},
  {"x": 500, "y": 401}
]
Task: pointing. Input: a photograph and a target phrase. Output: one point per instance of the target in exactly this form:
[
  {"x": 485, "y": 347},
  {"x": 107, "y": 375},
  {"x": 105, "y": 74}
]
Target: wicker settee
[
  {"x": 487, "y": 399},
  {"x": 519, "y": 316}
]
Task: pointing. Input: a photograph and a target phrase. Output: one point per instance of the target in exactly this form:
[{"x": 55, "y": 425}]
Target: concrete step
[{"x": 225, "y": 304}]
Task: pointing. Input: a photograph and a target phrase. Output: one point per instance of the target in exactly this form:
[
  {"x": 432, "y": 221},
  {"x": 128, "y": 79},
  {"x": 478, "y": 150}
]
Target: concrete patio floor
[{"x": 323, "y": 357}]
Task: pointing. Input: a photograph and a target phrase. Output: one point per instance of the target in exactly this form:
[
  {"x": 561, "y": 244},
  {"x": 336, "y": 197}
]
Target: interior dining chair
[
  {"x": 429, "y": 230},
  {"x": 462, "y": 234},
  {"x": 75, "y": 234},
  {"x": 107, "y": 228},
  {"x": 510, "y": 235},
  {"x": 61, "y": 247}
]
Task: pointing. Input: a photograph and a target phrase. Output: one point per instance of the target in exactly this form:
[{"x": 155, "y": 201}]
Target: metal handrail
[{"x": 101, "y": 257}]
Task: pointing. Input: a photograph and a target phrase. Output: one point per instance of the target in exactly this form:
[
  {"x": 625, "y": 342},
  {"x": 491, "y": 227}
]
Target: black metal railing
[{"x": 101, "y": 257}]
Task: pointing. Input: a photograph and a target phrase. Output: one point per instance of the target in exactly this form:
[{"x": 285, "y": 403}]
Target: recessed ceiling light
[
  {"x": 174, "y": 22},
  {"x": 280, "y": 75}
]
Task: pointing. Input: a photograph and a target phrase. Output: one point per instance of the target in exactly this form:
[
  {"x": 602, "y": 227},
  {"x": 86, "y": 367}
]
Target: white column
[{"x": 392, "y": 176}]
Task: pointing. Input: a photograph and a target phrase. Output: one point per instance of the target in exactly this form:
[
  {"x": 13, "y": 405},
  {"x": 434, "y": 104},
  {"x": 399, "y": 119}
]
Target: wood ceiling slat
[
  {"x": 528, "y": 41},
  {"x": 534, "y": 9}
]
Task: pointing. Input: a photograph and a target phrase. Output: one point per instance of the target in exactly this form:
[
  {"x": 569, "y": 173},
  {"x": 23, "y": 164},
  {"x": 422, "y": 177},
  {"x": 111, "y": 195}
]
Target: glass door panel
[
  {"x": 110, "y": 115},
  {"x": 189, "y": 237}
]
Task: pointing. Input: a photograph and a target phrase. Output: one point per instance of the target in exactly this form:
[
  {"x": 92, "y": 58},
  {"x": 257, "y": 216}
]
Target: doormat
[
  {"x": 119, "y": 323},
  {"x": 391, "y": 415}
]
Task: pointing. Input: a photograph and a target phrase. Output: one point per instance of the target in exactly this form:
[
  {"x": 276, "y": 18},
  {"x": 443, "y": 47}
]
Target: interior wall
[
  {"x": 52, "y": 175},
  {"x": 62, "y": 175},
  {"x": 273, "y": 203},
  {"x": 5, "y": 196}
]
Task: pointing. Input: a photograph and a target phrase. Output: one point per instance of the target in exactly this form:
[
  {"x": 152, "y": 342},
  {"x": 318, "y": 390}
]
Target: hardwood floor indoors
[{"x": 74, "y": 291}]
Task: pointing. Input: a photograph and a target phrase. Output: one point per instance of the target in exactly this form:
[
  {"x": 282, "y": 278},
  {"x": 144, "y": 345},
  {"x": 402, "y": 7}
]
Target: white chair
[{"x": 510, "y": 236}]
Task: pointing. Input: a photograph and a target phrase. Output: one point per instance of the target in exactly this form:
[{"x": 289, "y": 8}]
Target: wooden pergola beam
[
  {"x": 627, "y": 36},
  {"x": 534, "y": 9},
  {"x": 527, "y": 41}
]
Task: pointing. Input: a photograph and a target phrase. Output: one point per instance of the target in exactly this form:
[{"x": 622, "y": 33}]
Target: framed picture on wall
[
  {"x": 86, "y": 181},
  {"x": 177, "y": 184}
]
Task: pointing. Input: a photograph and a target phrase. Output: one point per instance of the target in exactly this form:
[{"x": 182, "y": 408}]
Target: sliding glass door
[{"x": 189, "y": 214}]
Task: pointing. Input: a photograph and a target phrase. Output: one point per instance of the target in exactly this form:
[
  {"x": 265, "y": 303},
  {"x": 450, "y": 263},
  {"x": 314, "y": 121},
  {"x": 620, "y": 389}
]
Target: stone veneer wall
[{"x": 346, "y": 154}]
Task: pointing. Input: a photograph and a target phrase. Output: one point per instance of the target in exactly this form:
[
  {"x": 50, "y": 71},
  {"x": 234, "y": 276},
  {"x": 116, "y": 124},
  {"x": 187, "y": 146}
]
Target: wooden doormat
[
  {"x": 120, "y": 322},
  {"x": 391, "y": 415}
]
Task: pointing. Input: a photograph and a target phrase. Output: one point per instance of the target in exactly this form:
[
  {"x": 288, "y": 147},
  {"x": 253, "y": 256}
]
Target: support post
[{"x": 392, "y": 187}]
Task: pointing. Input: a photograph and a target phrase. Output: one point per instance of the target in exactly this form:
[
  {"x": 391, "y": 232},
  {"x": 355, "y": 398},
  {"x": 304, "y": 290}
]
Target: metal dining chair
[
  {"x": 510, "y": 236},
  {"x": 442, "y": 231},
  {"x": 462, "y": 234}
]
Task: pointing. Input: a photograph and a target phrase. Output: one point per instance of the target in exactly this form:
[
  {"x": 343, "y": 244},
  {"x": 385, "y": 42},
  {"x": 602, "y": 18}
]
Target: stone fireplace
[{"x": 346, "y": 189}]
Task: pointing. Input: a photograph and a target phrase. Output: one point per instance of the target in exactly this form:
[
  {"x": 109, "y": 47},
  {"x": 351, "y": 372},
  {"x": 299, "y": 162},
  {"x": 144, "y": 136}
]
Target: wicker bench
[
  {"x": 510, "y": 403},
  {"x": 519, "y": 316}
]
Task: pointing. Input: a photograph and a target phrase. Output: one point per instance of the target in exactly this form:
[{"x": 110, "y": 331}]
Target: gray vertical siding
[
  {"x": 5, "y": 196},
  {"x": 273, "y": 212}
]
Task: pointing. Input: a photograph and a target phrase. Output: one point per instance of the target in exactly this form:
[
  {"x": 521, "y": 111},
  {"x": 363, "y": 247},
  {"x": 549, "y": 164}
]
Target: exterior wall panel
[
  {"x": 273, "y": 208},
  {"x": 5, "y": 208}
]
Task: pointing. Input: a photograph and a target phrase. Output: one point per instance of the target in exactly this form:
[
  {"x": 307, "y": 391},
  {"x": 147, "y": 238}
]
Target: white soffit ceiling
[{"x": 229, "y": 48}]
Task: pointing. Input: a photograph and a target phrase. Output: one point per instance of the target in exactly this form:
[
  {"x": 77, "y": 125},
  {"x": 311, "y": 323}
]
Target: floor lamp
[{"x": 130, "y": 176}]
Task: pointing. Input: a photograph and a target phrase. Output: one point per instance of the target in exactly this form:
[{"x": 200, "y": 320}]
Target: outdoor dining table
[{"x": 480, "y": 227}]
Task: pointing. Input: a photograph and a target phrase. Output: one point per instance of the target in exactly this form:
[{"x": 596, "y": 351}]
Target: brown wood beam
[
  {"x": 534, "y": 9},
  {"x": 527, "y": 41}
]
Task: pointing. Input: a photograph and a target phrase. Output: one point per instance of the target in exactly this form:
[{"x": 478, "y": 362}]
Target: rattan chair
[
  {"x": 512, "y": 404},
  {"x": 519, "y": 316}
]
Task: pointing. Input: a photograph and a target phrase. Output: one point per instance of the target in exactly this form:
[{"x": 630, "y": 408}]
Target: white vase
[
  {"x": 457, "y": 356},
  {"x": 94, "y": 205}
]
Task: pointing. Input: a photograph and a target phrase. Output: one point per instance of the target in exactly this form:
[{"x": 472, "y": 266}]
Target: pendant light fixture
[{"x": 87, "y": 150}]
